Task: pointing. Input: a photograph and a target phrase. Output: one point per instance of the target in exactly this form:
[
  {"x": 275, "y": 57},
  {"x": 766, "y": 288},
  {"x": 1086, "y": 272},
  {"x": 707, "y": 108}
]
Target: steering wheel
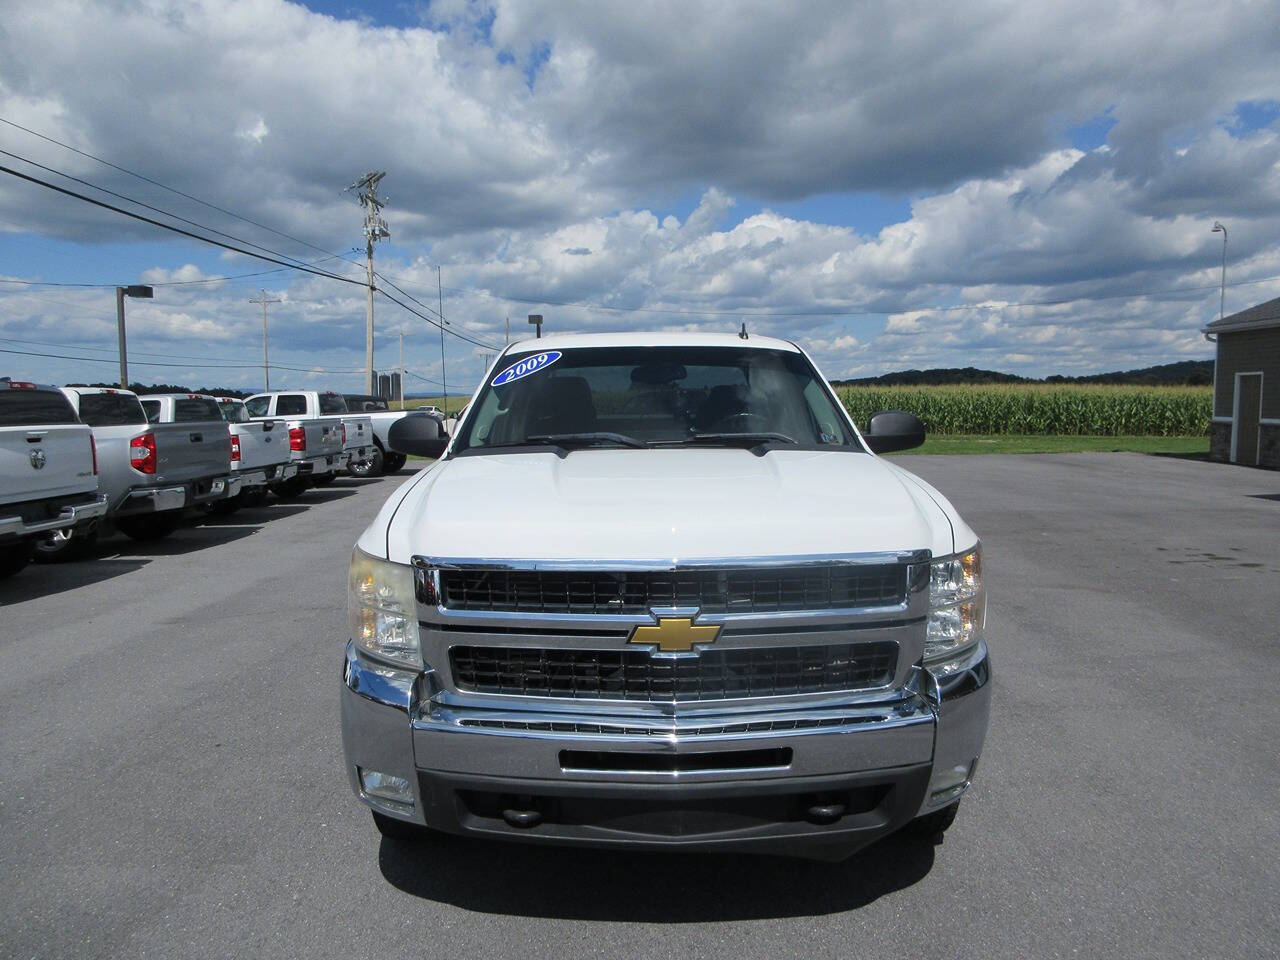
[{"x": 744, "y": 421}]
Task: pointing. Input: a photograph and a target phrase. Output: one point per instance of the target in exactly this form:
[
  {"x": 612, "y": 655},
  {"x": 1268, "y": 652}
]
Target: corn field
[{"x": 1078, "y": 410}]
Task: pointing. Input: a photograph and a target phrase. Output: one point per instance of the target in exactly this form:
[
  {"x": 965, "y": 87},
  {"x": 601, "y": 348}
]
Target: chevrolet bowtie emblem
[{"x": 674, "y": 634}]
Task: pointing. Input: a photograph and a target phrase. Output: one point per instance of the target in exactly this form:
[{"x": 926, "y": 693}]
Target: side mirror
[
  {"x": 417, "y": 434},
  {"x": 894, "y": 430}
]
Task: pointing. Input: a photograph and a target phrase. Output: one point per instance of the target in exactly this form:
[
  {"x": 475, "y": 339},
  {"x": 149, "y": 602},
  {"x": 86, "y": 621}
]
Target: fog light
[
  {"x": 949, "y": 783},
  {"x": 384, "y": 786}
]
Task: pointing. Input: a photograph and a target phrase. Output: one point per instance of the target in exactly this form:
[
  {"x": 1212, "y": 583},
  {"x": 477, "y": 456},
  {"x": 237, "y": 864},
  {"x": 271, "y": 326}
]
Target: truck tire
[
  {"x": 15, "y": 557},
  {"x": 290, "y": 489},
  {"x": 253, "y": 497},
  {"x": 64, "y": 546},
  {"x": 373, "y": 467},
  {"x": 324, "y": 479},
  {"x": 393, "y": 462},
  {"x": 932, "y": 825},
  {"x": 399, "y": 831},
  {"x": 152, "y": 526}
]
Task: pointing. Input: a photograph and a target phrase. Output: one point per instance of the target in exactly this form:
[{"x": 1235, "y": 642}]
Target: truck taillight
[
  {"x": 235, "y": 448},
  {"x": 344, "y": 434},
  {"x": 297, "y": 438},
  {"x": 93, "y": 448},
  {"x": 142, "y": 453}
]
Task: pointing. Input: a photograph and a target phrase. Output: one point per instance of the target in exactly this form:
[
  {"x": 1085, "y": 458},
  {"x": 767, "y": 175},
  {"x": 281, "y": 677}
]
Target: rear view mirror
[
  {"x": 892, "y": 430},
  {"x": 419, "y": 435}
]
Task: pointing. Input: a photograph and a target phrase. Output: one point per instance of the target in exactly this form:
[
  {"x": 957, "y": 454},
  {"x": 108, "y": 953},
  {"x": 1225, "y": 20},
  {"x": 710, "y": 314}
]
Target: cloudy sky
[{"x": 1025, "y": 186}]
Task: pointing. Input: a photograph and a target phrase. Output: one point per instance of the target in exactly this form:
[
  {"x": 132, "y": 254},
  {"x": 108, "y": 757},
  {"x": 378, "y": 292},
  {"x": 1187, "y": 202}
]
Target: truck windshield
[
  {"x": 656, "y": 396},
  {"x": 111, "y": 410}
]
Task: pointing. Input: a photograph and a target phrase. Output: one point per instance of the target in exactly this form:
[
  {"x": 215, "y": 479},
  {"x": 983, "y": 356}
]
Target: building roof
[
  {"x": 640, "y": 339},
  {"x": 1255, "y": 318}
]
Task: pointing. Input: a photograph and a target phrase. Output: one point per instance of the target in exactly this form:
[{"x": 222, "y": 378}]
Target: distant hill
[{"x": 1184, "y": 372}]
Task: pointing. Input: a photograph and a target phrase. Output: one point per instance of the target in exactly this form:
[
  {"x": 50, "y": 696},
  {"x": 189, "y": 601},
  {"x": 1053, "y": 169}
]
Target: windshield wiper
[
  {"x": 571, "y": 441},
  {"x": 757, "y": 442}
]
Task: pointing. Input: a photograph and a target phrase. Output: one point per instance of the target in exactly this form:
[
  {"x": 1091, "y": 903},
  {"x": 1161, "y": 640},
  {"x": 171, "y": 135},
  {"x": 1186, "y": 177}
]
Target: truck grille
[
  {"x": 645, "y": 676},
  {"x": 719, "y": 590}
]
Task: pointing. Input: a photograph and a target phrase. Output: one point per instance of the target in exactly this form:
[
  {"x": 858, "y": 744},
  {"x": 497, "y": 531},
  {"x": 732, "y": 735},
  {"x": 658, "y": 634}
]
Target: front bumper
[{"x": 814, "y": 782}]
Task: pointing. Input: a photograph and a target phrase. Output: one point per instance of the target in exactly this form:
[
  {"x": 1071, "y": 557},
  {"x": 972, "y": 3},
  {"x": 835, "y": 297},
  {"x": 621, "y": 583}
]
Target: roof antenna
[{"x": 742, "y": 334}]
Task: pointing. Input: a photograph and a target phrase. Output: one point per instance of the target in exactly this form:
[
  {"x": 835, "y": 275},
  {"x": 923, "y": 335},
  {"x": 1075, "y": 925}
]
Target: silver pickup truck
[
  {"x": 48, "y": 471},
  {"x": 150, "y": 472},
  {"x": 356, "y": 430},
  {"x": 315, "y": 445}
]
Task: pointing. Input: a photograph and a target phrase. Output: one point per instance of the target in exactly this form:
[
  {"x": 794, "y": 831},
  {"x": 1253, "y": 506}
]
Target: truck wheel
[
  {"x": 932, "y": 825},
  {"x": 368, "y": 468},
  {"x": 290, "y": 489},
  {"x": 14, "y": 558},
  {"x": 324, "y": 479},
  {"x": 153, "y": 526},
  {"x": 64, "y": 546},
  {"x": 399, "y": 830},
  {"x": 393, "y": 462}
]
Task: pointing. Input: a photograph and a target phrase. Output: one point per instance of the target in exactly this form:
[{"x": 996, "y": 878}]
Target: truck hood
[{"x": 660, "y": 505}]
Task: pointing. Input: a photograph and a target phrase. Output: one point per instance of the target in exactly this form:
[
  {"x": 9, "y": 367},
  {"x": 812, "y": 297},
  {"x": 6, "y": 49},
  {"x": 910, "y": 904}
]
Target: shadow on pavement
[
  {"x": 186, "y": 539},
  {"x": 44, "y": 579},
  {"x": 572, "y": 884}
]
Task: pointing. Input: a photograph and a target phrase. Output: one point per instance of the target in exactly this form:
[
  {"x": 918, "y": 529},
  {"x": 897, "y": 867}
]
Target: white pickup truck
[
  {"x": 150, "y": 472},
  {"x": 356, "y": 431},
  {"x": 384, "y": 460},
  {"x": 48, "y": 471},
  {"x": 659, "y": 592}
]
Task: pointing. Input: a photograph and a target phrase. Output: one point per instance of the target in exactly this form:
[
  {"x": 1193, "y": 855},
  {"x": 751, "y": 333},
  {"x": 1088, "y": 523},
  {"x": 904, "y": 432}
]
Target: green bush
[{"x": 1042, "y": 408}]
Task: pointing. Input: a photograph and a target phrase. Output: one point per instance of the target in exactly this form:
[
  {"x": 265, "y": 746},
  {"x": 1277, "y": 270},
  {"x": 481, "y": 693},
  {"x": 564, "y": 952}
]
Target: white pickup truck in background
[
  {"x": 325, "y": 405},
  {"x": 384, "y": 459},
  {"x": 150, "y": 472},
  {"x": 260, "y": 454},
  {"x": 48, "y": 471}
]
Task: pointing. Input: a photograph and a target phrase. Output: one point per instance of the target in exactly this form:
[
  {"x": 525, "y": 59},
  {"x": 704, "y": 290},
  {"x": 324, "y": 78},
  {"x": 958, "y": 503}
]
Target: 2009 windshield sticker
[{"x": 527, "y": 366}]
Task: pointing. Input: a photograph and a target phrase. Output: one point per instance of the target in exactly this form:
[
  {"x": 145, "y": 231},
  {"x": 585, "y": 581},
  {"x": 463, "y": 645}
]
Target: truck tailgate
[
  {"x": 262, "y": 443},
  {"x": 359, "y": 432},
  {"x": 64, "y": 456},
  {"x": 191, "y": 451}
]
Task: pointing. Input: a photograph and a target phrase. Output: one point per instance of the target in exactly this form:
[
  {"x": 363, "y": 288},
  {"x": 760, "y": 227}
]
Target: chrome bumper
[
  {"x": 653, "y": 787},
  {"x": 153, "y": 500},
  {"x": 69, "y": 516}
]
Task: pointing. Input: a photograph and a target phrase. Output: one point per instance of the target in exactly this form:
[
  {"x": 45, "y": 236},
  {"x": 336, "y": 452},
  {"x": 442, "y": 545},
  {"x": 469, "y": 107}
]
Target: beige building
[{"x": 1246, "y": 387}]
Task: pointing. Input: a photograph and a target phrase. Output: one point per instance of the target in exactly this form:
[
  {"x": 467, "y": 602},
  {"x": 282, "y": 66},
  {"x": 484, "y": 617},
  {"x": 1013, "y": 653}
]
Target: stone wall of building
[
  {"x": 1220, "y": 442},
  {"x": 1269, "y": 446}
]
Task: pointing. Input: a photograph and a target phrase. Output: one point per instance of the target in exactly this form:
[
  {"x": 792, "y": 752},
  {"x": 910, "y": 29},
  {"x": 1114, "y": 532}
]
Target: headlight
[
  {"x": 957, "y": 611},
  {"x": 382, "y": 609}
]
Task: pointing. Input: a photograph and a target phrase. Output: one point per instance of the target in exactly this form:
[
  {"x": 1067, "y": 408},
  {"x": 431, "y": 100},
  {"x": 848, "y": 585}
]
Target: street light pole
[
  {"x": 145, "y": 293},
  {"x": 1222, "y": 296}
]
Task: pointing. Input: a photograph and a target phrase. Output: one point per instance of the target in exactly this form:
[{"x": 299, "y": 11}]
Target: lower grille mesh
[{"x": 644, "y": 676}]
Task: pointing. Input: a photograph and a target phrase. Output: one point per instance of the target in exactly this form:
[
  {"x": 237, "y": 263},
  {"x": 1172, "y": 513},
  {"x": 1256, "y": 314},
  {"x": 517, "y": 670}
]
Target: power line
[
  {"x": 145, "y": 206},
  {"x": 172, "y": 228},
  {"x": 173, "y": 190},
  {"x": 436, "y": 323},
  {"x": 166, "y": 283}
]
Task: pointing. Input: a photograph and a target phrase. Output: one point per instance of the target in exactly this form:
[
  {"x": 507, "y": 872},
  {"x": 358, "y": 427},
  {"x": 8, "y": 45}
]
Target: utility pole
[
  {"x": 375, "y": 229},
  {"x": 444, "y": 380},
  {"x": 266, "y": 370},
  {"x": 402, "y": 369}
]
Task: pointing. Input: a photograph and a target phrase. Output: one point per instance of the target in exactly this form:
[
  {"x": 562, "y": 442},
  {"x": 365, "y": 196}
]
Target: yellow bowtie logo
[{"x": 674, "y": 634}]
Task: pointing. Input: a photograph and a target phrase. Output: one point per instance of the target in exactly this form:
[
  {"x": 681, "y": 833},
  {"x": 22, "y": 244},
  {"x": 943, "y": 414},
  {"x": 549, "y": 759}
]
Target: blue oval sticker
[{"x": 528, "y": 365}]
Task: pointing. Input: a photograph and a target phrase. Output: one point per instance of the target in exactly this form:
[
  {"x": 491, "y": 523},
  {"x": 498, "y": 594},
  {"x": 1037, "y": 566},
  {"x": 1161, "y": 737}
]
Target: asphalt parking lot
[{"x": 173, "y": 782}]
